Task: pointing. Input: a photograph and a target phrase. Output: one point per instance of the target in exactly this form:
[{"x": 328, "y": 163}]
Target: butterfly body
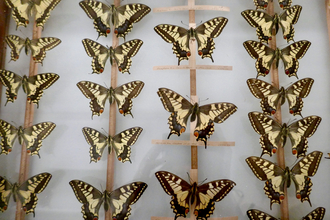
[
  {"x": 203, "y": 34},
  {"x": 181, "y": 109},
  {"x": 38, "y": 46},
  {"x": 31, "y": 136},
  {"x": 121, "y": 55},
  {"x": 184, "y": 193},
  {"x": 122, "y": 94},
  {"x": 120, "y": 143},
  {"x": 266, "y": 55},
  {"x": 264, "y": 23},
  {"x": 276, "y": 178},
  {"x": 118, "y": 201},
  {"x": 122, "y": 17},
  {"x": 33, "y": 86},
  {"x": 274, "y": 134},
  {"x": 271, "y": 96},
  {"x": 22, "y": 10},
  {"x": 26, "y": 192}
]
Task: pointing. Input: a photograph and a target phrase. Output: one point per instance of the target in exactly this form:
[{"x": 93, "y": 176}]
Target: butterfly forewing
[
  {"x": 121, "y": 199},
  {"x": 33, "y": 136},
  {"x": 41, "y": 45},
  {"x": 98, "y": 52},
  {"x": 316, "y": 214},
  {"x": 90, "y": 197},
  {"x": 291, "y": 54},
  {"x": 97, "y": 141},
  {"x": 124, "y": 16},
  {"x": 124, "y": 94},
  {"x": 8, "y": 134},
  {"x": 12, "y": 81},
  {"x": 255, "y": 214},
  {"x": 28, "y": 190}
]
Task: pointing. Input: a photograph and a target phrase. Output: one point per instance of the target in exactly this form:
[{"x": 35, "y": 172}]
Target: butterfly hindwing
[
  {"x": 13, "y": 82},
  {"x": 16, "y": 44},
  {"x": 5, "y": 193},
  {"x": 118, "y": 201},
  {"x": 316, "y": 214},
  {"x": 255, "y": 214},
  {"x": 262, "y": 4},
  {"x": 183, "y": 193},
  {"x": 22, "y": 9},
  {"x": 287, "y": 19},
  {"x": 8, "y": 134}
]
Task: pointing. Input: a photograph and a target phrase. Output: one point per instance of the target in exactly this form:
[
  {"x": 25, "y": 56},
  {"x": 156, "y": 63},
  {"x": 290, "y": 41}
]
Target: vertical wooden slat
[
  {"x": 278, "y": 117},
  {"x": 28, "y": 120},
  {"x": 112, "y": 120}
]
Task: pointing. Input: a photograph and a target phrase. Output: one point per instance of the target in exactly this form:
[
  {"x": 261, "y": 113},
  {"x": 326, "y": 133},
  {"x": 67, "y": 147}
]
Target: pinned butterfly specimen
[
  {"x": 274, "y": 134},
  {"x": 276, "y": 177},
  {"x": 203, "y": 34},
  {"x": 119, "y": 201},
  {"x": 122, "y": 94},
  {"x": 266, "y": 55},
  {"x": 264, "y": 23},
  {"x": 184, "y": 193},
  {"x": 37, "y": 46},
  {"x": 33, "y": 86},
  {"x": 122, "y": 17},
  {"x": 22, "y": 9},
  {"x": 31, "y": 136},
  {"x": 120, "y": 143},
  {"x": 180, "y": 109},
  {"x": 26, "y": 192},
  {"x": 271, "y": 96},
  {"x": 121, "y": 54},
  {"x": 262, "y": 4},
  {"x": 316, "y": 214}
]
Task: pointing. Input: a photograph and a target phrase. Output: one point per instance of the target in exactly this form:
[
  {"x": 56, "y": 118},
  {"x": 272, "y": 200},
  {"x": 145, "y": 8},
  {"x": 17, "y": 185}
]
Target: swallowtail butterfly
[
  {"x": 37, "y": 46},
  {"x": 262, "y": 4},
  {"x": 266, "y": 55},
  {"x": 33, "y": 86},
  {"x": 316, "y": 214},
  {"x": 184, "y": 194},
  {"x": 122, "y": 94},
  {"x": 121, "y": 54},
  {"x": 180, "y": 109},
  {"x": 120, "y": 143},
  {"x": 276, "y": 178},
  {"x": 22, "y": 9},
  {"x": 31, "y": 136},
  {"x": 271, "y": 96},
  {"x": 203, "y": 34},
  {"x": 122, "y": 17},
  {"x": 26, "y": 192},
  {"x": 274, "y": 134},
  {"x": 119, "y": 201},
  {"x": 265, "y": 22}
]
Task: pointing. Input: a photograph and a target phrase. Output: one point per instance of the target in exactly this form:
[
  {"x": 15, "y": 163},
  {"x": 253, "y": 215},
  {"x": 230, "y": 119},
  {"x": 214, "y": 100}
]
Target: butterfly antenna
[
  {"x": 23, "y": 33},
  {"x": 190, "y": 180}
]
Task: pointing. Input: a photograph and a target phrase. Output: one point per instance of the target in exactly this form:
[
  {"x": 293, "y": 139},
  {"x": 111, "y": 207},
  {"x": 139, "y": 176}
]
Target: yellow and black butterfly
[
  {"x": 22, "y": 9},
  {"x": 276, "y": 178},
  {"x": 33, "y": 86},
  {"x": 122, "y": 17},
  {"x": 264, "y": 23},
  {"x": 262, "y": 4},
  {"x": 203, "y": 34},
  {"x": 205, "y": 115},
  {"x": 38, "y": 46},
  {"x": 119, "y": 201},
  {"x": 255, "y": 214},
  {"x": 271, "y": 96},
  {"x": 120, "y": 143},
  {"x": 122, "y": 94},
  {"x": 26, "y": 192},
  {"x": 31, "y": 136},
  {"x": 273, "y": 134},
  {"x": 121, "y": 54},
  {"x": 266, "y": 55},
  {"x": 184, "y": 194}
]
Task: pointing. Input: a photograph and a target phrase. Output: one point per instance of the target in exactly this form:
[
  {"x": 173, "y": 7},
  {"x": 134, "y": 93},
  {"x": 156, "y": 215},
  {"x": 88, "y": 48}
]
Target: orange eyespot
[
  {"x": 28, "y": 151},
  {"x": 287, "y": 72},
  {"x": 99, "y": 158},
  {"x": 298, "y": 196},
  {"x": 119, "y": 158},
  {"x": 284, "y": 37},
  {"x": 121, "y": 111},
  {"x": 188, "y": 54},
  {"x": 196, "y": 212},
  {"x": 196, "y": 133},
  {"x": 274, "y": 150},
  {"x": 182, "y": 130},
  {"x": 95, "y": 218},
  {"x": 120, "y": 69},
  {"x": 116, "y": 31},
  {"x": 5, "y": 207},
  {"x": 9, "y": 150},
  {"x": 200, "y": 53},
  {"x": 101, "y": 70},
  {"x": 26, "y": 22},
  {"x": 273, "y": 112},
  {"x": 281, "y": 197},
  {"x": 291, "y": 111},
  {"x": 28, "y": 98},
  {"x": 15, "y": 97},
  {"x": 187, "y": 211},
  {"x": 16, "y": 57},
  {"x": 108, "y": 31},
  {"x": 24, "y": 209},
  {"x": 266, "y": 72},
  {"x": 265, "y": 6},
  {"x": 294, "y": 151},
  {"x": 101, "y": 110},
  {"x": 34, "y": 58}
]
